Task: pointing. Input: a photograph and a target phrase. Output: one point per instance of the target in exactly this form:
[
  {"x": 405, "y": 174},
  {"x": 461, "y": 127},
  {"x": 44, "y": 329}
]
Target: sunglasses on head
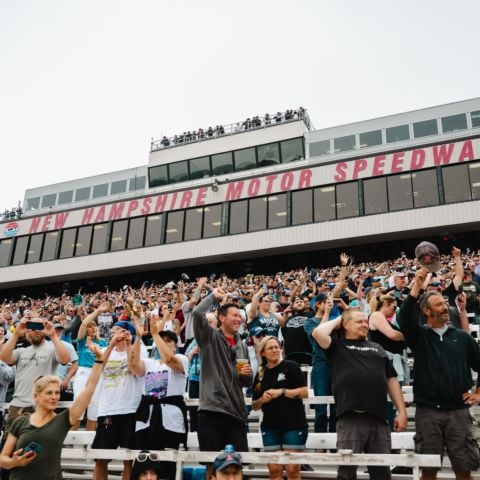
[{"x": 144, "y": 456}]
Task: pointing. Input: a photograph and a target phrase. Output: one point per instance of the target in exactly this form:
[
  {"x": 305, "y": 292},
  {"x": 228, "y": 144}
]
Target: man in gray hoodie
[{"x": 222, "y": 414}]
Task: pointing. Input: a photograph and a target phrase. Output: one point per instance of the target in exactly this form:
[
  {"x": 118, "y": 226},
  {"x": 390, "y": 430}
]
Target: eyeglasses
[{"x": 144, "y": 456}]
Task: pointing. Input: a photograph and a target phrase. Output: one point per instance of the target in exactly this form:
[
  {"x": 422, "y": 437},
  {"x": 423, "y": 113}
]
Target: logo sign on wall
[{"x": 11, "y": 229}]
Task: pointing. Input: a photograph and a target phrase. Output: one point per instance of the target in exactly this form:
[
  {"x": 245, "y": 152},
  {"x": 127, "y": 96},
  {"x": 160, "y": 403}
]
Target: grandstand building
[{"x": 260, "y": 195}]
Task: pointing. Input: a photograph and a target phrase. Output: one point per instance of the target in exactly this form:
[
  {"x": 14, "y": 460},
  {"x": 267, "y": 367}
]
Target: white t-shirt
[{"x": 161, "y": 381}]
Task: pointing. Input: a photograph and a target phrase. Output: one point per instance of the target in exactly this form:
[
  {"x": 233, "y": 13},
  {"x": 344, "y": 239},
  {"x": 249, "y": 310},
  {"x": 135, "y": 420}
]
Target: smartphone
[
  {"x": 32, "y": 447},
  {"x": 35, "y": 326}
]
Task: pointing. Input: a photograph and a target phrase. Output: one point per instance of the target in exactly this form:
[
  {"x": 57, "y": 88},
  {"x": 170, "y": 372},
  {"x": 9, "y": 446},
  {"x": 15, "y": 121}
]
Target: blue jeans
[{"x": 322, "y": 385}]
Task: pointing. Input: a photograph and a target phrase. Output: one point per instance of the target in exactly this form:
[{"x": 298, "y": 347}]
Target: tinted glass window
[
  {"x": 277, "y": 210},
  {"x": 20, "y": 250},
  {"x": 347, "y": 200},
  {"x": 456, "y": 183},
  {"x": 178, "y": 171},
  {"x": 302, "y": 207},
  {"x": 50, "y": 246},
  {"x": 238, "y": 216},
  {"x": 400, "y": 192},
  {"x": 68, "y": 243},
  {"x": 5, "y": 249},
  {"x": 118, "y": 187},
  {"x": 291, "y": 150},
  {"x": 82, "y": 194},
  {"x": 49, "y": 200},
  {"x": 474, "y": 170},
  {"x": 425, "y": 128},
  {"x": 193, "y": 224},
  {"x": 454, "y": 122},
  {"x": 375, "y": 195},
  {"x": 119, "y": 235},
  {"x": 158, "y": 176},
  {"x": 135, "y": 232},
  {"x": 475, "y": 118},
  {"x": 323, "y": 204},
  {"x": 343, "y": 144},
  {"x": 425, "y": 190},
  {"x": 174, "y": 229},
  {"x": 212, "y": 221},
  {"x": 100, "y": 190},
  {"x": 33, "y": 203},
  {"x": 396, "y": 134},
  {"x": 268, "y": 155},
  {"x": 99, "y": 241},
  {"x": 257, "y": 214},
  {"x": 65, "y": 197},
  {"x": 35, "y": 248},
  {"x": 320, "y": 148},
  {"x": 138, "y": 183},
  {"x": 222, "y": 163},
  {"x": 153, "y": 235},
  {"x": 84, "y": 238},
  {"x": 200, "y": 167},
  {"x": 245, "y": 159},
  {"x": 370, "y": 139}
]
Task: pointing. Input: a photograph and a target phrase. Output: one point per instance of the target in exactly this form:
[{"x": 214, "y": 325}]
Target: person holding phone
[{"x": 34, "y": 444}]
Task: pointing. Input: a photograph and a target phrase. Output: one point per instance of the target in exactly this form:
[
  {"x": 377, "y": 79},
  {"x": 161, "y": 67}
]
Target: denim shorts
[{"x": 280, "y": 439}]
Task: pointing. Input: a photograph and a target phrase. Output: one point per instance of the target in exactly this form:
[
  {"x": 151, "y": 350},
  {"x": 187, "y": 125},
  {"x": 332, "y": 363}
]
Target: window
[
  {"x": 118, "y": 187},
  {"x": 425, "y": 190},
  {"x": 99, "y": 240},
  {"x": 158, "y": 177},
  {"x": 474, "y": 170},
  {"x": 68, "y": 243},
  {"x": 343, "y": 144},
  {"x": 292, "y": 150},
  {"x": 397, "y": 134},
  {"x": 33, "y": 203},
  {"x": 375, "y": 195},
  {"x": 222, "y": 163},
  {"x": 100, "y": 190},
  {"x": 174, "y": 231},
  {"x": 135, "y": 232},
  {"x": 35, "y": 248},
  {"x": 153, "y": 234},
  {"x": 302, "y": 211},
  {"x": 238, "y": 216},
  {"x": 138, "y": 183},
  {"x": 347, "y": 200},
  {"x": 200, "y": 168},
  {"x": 456, "y": 183},
  {"x": 82, "y": 194},
  {"x": 425, "y": 128},
  {"x": 370, "y": 139},
  {"x": 5, "y": 249},
  {"x": 257, "y": 214},
  {"x": 84, "y": 237},
  {"x": 324, "y": 204},
  {"x": 475, "y": 118},
  {"x": 20, "y": 250},
  {"x": 49, "y": 200},
  {"x": 212, "y": 221},
  {"x": 65, "y": 197},
  {"x": 320, "y": 148},
  {"x": 245, "y": 159},
  {"x": 268, "y": 155},
  {"x": 50, "y": 246},
  {"x": 277, "y": 210},
  {"x": 400, "y": 192},
  {"x": 119, "y": 235},
  {"x": 178, "y": 171},
  {"x": 193, "y": 224},
  {"x": 454, "y": 123}
]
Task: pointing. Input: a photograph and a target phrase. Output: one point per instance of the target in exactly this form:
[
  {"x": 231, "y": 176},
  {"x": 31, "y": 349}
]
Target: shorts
[
  {"x": 281, "y": 439},
  {"x": 79, "y": 383},
  {"x": 115, "y": 431},
  {"x": 450, "y": 430}
]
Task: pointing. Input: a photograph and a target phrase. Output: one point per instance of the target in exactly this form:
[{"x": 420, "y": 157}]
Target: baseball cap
[
  {"x": 428, "y": 255},
  {"x": 225, "y": 459},
  {"x": 321, "y": 297},
  {"x": 168, "y": 334},
  {"x": 58, "y": 325},
  {"x": 126, "y": 326},
  {"x": 256, "y": 331},
  {"x": 400, "y": 274},
  {"x": 376, "y": 279}
]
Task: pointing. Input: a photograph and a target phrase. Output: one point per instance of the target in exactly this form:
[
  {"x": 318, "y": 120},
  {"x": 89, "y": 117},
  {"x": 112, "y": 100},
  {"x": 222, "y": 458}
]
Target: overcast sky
[{"x": 85, "y": 84}]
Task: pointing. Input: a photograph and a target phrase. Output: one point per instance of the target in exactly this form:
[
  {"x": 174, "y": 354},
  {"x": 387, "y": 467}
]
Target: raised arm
[
  {"x": 135, "y": 363},
  {"x": 63, "y": 356},
  {"x": 6, "y": 354},
  {"x": 201, "y": 328},
  {"x": 166, "y": 353},
  {"x": 253, "y": 311},
  {"x": 82, "y": 331},
  {"x": 323, "y": 333},
  {"x": 458, "y": 278}
]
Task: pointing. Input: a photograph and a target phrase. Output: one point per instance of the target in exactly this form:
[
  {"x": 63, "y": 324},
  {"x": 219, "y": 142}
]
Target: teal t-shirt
[{"x": 85, "y": 357}]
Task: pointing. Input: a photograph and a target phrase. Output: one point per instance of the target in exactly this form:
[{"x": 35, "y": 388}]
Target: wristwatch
[{"x": 284, "y": 391}]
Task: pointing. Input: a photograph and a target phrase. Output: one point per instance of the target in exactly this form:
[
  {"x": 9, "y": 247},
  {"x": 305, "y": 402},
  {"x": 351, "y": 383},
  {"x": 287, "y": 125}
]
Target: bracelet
[{"x": 99, "y": 361}]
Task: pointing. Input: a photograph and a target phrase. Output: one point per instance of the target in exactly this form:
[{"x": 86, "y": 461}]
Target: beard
[{"x": 34, "y": 340}]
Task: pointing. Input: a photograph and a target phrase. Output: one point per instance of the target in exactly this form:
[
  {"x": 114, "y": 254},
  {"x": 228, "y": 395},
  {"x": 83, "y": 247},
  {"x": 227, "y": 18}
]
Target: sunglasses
[{"x": 144, "y": 456}]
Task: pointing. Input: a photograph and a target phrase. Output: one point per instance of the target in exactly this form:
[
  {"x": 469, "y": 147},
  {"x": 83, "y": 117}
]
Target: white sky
[{"x": 85, "y": 84}]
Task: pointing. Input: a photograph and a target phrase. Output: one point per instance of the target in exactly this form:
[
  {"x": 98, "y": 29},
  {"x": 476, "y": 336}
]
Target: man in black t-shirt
[{"x": 362, "y": 375}]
